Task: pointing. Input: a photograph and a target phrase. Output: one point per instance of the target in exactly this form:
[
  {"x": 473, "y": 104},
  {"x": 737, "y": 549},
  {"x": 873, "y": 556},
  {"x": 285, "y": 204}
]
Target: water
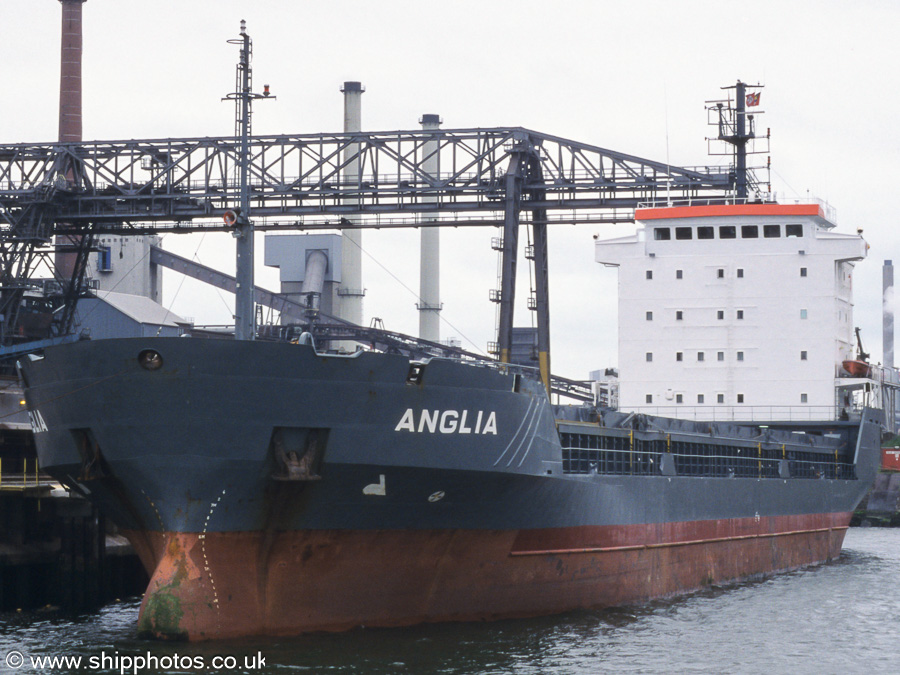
[{"x": 836, "y": 618}]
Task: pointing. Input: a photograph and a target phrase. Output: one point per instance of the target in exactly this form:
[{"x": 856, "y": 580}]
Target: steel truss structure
[{"x": 501, "y": 176}]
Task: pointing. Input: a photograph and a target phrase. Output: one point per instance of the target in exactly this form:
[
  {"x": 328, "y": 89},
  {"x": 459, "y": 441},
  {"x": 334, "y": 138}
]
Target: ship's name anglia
[
  {"x": 37, "y": 421},
  {"x": 448, "y": 422}
]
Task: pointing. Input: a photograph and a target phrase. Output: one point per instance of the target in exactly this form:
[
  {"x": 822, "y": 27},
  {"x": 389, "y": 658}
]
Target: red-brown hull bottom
[{"x": 223, "y": 585}]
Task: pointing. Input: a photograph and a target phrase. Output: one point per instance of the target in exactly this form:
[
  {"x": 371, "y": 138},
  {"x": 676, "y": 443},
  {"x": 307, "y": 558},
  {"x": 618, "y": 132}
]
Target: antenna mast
[
  {"x": 737, "y": 127},
  {"x": 243, "y": 96}
]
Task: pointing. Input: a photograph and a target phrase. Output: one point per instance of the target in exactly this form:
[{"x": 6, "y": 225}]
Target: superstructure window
[
  {"x": 701, "y": 356},
  {"x": 804, "y": 398},
  {"x": 661, "y": 233},
  {"x": 793, "y": 230},
  {"x": 649, "y": 274},
  {"x": 679, "y": 356},
  {"x": 803, "y": 355},
  {"x": 720, "y": 398},
  {"x": 649, "y": 356},
  {"x": 720, "y": 315},
  {"x": 749, "y": 232},
  {"x": 679, "y": 274},
  {"x": 727, "y": 232},
  {"x": 802, "y": 313},
  {"x": 802, "y": 271},
  {"x": 699, "y": 398},
  {"x": 740, "y": 398},
  {"x": 720, "y": 273},
  {"x": 771, "y": 231},
  {"x": 720, "y": 356},
  {"x": 740, "y": 272},
  {"x": 706, "y": 232},
  {"x": 679, "y": 398},
  {"x": 649, "y": 398},
  {"x": 740, "y": 314},
  {"x": 740, "y": 356},
  {"x": 649, "y": 316},
  {"x": 684, "y": 233}
]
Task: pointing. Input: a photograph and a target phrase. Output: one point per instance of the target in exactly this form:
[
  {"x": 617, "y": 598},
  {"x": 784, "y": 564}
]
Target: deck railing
[{"x": 741, "y": 413}]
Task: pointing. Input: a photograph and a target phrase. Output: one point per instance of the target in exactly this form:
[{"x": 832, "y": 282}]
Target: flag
[{"x": 753, "y": 99}]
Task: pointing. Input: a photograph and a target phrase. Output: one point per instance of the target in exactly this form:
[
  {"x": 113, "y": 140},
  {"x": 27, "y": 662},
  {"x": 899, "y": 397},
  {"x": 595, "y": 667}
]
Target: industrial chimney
[
  {"x": 70, "y": 73},
  {"x": 351, "y": 290},
  {"x": 888, "y": 313},
  {"x": 429, "y": 304},
  {"x": 69, "y": 109}
]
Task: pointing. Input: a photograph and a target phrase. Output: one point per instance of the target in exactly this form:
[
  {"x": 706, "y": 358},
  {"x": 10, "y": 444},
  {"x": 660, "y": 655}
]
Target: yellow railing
[{"x": 19, "y": 480}]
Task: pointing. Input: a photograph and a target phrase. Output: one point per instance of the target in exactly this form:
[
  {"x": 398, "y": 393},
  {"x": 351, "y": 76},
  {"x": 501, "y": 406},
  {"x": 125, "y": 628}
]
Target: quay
[{"x": 55, "y": 548}]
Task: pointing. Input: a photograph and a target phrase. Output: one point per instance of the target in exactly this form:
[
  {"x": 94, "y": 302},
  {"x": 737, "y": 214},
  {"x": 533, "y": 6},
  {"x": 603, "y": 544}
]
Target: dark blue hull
[{"x": 218, "y": 448}]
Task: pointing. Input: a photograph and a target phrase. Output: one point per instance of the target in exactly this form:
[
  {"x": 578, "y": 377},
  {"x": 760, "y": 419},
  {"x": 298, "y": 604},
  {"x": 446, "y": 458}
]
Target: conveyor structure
[{"x": 504, "y": 177}]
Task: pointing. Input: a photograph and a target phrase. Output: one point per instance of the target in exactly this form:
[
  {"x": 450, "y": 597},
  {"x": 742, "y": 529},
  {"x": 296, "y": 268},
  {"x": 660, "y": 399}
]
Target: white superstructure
[{"x": 738, "y": 311}]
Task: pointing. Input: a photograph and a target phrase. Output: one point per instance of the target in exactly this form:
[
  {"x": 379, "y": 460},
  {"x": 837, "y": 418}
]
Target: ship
[
  {"x": 279, "y": 487},
  {"x": 272, "y": 489}
]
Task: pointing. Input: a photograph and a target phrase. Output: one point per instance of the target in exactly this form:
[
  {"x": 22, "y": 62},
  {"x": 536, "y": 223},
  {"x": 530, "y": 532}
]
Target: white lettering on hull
[
  {"x": 448, "y": 422},
  {"x": 37, "y": 421}
]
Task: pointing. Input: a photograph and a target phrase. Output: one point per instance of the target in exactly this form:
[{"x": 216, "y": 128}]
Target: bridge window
[
  {"x": 727, "y": 232},
  {"x": 706, "y": 233},
  {"x": 749, "y": 232},
  {"x": 771, "y": 231},
  {"x": 662, "y": 233},
  {"x": 793, "y": 230},
  {"x": 684, "y": 233}
]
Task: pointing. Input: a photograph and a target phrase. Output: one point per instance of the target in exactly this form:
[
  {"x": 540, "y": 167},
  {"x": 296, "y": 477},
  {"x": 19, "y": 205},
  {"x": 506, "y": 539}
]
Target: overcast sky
[{"x": 629, "y": 76}]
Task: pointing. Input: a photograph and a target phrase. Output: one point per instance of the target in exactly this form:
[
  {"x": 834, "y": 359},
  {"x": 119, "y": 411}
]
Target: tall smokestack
[
  {"x": 430, "y": 246},
  {"x": 69, "y": 109},
  {"x": 351, "y": 290},
  {"x": 888, "y": 313},
  {"x": 70, "y": 73}
]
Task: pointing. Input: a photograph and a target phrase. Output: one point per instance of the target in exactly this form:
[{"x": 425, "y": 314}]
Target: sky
[{"x": 628, "y": 76}]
